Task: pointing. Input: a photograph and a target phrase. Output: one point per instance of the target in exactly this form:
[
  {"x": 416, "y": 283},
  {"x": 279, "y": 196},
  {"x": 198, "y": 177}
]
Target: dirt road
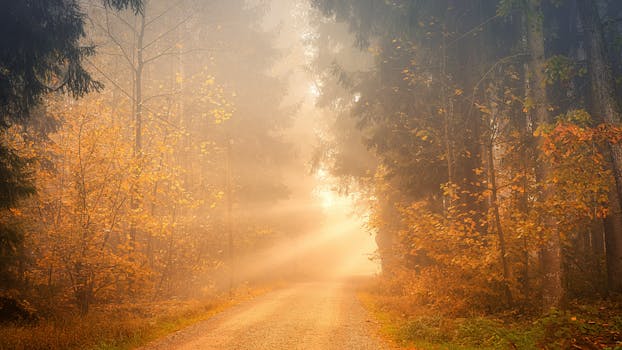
[{"x": 318, "y": 315}]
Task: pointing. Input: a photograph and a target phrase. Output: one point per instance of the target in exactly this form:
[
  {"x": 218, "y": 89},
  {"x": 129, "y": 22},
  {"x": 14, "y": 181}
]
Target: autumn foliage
[
  {"x": 141, "y": 191},
  {"x": 494, "y": 185}
]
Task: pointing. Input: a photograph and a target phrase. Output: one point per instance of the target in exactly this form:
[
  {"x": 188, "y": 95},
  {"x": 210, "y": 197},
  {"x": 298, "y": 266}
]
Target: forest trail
[{"x": 315, "y": 315}]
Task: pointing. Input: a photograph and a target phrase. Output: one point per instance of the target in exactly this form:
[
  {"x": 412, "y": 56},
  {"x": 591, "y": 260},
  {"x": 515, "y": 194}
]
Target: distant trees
[
  {"x": 495, "y": 128},
  {"x": 130, "y": 182}
]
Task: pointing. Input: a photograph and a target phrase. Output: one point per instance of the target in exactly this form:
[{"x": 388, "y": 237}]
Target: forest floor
[
  {"x": 347, "y": 314},
  {"x": 118, "y": 327},
  {"x": 321, "y": 315},
  {"x": 584, "y": 325}
]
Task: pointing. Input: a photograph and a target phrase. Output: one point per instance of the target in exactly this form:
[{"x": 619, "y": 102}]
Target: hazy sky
[{"x": 342, "y": 235}]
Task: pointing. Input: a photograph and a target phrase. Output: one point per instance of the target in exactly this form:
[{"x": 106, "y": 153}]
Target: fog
[
  {"x": 172, "y": 149},
  {"x": 340, "y": 244},
  {"x": 219, "y": 102},
  {"x": 171, "y": 154}
]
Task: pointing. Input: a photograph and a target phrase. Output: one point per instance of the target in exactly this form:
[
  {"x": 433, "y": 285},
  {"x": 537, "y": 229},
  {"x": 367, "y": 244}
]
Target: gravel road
[{"x": 318, "y": 315}]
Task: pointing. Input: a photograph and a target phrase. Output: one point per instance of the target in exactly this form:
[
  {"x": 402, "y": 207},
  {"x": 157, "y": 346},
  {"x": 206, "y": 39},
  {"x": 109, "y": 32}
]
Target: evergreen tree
[{"x": 40, "y": 53}]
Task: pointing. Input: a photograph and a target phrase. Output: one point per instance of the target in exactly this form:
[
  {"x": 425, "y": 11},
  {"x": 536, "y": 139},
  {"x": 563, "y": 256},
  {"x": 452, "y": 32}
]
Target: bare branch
[
  {"x": 167, "y": 32},
  {"x": 163, "y": 13},
  {"x": 124, "y": 53}
]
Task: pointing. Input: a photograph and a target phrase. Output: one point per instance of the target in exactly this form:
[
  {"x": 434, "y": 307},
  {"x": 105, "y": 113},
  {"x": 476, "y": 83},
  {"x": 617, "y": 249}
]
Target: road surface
[{"x": 318, "y": 315}]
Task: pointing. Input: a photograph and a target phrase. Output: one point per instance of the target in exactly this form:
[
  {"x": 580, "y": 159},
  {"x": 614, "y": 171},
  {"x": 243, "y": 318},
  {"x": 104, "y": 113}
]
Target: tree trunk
[
  {"x": 552, "y": 290},
  {"x": 494, "y": 203},
  {"x": 613, "y": 227},
  {"x": 525, "y": 171},
  {"x": 137, "y": 107},
  {"x": 138, "y": 89},
  {"x": 606, "y": 104},
  {"x": 229, "y": 191}
]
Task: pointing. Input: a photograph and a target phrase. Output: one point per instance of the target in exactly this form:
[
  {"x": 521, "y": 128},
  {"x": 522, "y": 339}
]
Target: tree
[
  {"x": 40, "y": 52},
  {"x": 608, "y": 108},
  {"x": 551, "y": 250},
  {"x": 490, "y": 177}
]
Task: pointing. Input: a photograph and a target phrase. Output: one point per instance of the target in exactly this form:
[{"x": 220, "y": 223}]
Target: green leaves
[{"x": 562, "y": 69}]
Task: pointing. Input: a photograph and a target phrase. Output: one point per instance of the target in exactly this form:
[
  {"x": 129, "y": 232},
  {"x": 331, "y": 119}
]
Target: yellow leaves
[
  {"x": 458, "y": 92},
  {"x": 111, "y": 211},
  {"x": 423, "y": 135},
  {"x": 483, "y": 108}
]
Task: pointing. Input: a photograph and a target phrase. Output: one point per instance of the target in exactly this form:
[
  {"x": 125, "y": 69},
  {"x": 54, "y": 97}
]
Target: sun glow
[
  {"x": 343, "y": 235},
  {"x": 327, "y": 198},
  {"x": 325, "y": 192},
  {"x": 314, "y": 90}
]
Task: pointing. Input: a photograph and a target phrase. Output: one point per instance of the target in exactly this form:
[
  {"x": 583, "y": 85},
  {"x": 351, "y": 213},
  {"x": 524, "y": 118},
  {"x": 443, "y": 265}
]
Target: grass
[
  {"x": 582, "y": 326},
  {"x": 121, "y": 327}
]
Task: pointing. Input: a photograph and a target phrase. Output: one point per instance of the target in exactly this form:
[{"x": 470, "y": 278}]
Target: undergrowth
[
  {"x": 113, "y": 327},
  {"x": 580, "y": 326}
]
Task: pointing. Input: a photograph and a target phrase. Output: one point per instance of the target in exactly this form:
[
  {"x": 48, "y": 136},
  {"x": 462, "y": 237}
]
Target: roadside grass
[
  {"x": 120, "y": 327},
  {"x": 582, "y": 326}
]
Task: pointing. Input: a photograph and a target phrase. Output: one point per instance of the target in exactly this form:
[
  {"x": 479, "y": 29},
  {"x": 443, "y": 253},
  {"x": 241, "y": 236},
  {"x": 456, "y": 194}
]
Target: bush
[
  {"x": 105, "y": 327},
  {"x": 15, "y": 310},
  {"x": 434, "y": 329},
  {"x": 482, "y": 332},
  {"x": 580, "y": 328}
]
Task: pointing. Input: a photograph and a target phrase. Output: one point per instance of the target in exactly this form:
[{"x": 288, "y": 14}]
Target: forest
[
  {"x": 492, "y": 139},
  {"x": 163, "y": 161}
]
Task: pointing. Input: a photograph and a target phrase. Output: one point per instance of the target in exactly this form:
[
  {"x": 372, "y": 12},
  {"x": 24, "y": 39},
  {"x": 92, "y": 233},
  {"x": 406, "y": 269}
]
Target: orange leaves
[
  {"x": 579, "y": 174},
  {"x": 455, "y": 237},
  {"x": 16, "y": 212}
]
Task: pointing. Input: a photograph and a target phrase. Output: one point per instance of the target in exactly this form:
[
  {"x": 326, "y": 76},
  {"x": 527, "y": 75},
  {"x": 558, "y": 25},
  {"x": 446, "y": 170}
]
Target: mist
[
  {"x": 188, "y": 167},
  {"x": 284, "y": 174}
]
